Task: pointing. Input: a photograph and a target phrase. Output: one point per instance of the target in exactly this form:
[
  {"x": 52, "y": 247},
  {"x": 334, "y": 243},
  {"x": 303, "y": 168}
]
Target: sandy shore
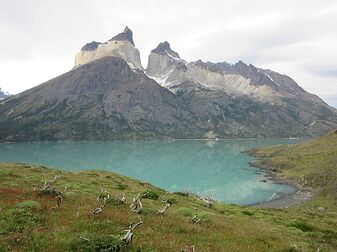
[{"x": 287, "y": 200}]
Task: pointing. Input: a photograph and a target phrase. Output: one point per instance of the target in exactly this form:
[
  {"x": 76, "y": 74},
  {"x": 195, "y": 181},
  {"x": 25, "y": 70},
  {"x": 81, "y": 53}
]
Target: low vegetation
[{"x": 90, "y": 210}]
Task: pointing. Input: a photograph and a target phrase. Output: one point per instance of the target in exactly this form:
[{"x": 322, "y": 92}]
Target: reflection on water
[{"x": 216, "y": 167}]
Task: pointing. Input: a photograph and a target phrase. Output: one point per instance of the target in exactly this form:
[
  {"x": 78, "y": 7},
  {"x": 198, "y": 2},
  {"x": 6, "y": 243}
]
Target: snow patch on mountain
[{"x": 3, "y": 94}]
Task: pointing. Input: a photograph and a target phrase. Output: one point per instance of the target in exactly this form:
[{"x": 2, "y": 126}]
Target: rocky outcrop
[
  {"x": 3, "y": 94},
  {"x": 164, "y": 63},
  {"x": 121, "y": 46},
  {"x": 126, "y": 35},
  {"x": 165, "y": 49}
]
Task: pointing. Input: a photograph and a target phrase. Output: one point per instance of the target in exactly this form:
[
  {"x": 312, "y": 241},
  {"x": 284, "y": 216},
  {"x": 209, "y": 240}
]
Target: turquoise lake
[{"x": 199, "y": 166}]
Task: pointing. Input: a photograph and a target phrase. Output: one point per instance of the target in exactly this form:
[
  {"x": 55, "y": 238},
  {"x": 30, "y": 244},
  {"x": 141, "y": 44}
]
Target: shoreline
[{"x": 297, "y": 197}]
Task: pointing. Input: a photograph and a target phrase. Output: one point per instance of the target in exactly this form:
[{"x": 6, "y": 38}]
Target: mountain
[
  {"x": 109, "y": 95},
  {"x": 3, "y": 94},
  {"x": 240, "y": 99},
  {"x": 103, "y": 99}
]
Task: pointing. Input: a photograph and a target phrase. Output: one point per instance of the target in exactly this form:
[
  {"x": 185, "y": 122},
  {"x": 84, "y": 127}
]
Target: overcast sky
[{"x": 39, "y": 38}]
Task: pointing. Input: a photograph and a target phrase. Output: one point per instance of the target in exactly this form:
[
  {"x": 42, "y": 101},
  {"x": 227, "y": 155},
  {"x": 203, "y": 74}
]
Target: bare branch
[
  {"x": 163, "y": 198},
  {"x": 127, "y": 238},
  {"x": 189, "y": 249},
  {"x": 195, "y": 219},
  {"x": 83, "y": 238},
  {"x": 136, "y": 206},
  {"x": 58, "y": 202},
  {"x": 98, "y": 210},
  {"x": 167, "y": 204},
  {"x": 162, "y": 211},
  {"x": 46, "y": 184},
  {"x": 121, "y": 199},
  {"x": 57, "y": 192},
  {"x": 103, "y": 197}
]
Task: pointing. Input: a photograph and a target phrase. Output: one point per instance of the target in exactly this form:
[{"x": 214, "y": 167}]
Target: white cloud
[{"x": 299, "y": 38}]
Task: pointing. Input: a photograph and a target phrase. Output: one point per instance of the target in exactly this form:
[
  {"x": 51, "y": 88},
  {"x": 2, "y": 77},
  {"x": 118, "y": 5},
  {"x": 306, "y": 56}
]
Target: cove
[{"x": 199, "y": 166}]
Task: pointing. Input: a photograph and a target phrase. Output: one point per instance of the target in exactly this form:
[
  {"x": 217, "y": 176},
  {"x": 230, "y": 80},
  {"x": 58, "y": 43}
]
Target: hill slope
[
  {"x": 312, "y": 164},
  {"x": 104, "y": 99}
]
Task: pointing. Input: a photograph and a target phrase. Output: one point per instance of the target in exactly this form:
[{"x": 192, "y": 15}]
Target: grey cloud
[{"x": 326, "y": 72}]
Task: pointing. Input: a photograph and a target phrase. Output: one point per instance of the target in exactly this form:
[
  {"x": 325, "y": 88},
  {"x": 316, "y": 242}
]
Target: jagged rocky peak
[
  {"x": 163, "y": 61},
  {"x": 165, "y": 49},
  {"x": 125, "y": 35},
  {"x": 90, "y": 46},
  {"x": 121, "y": 46}
]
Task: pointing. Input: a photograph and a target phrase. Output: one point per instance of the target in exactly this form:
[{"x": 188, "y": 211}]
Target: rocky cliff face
[
  {"x": 236, "y": 80},
  {"x": 108, "y": 95},
  {"x": 121, "y": 46},
  {"x": 240, "y": 99},
  {"x": 3, "y": 94}
]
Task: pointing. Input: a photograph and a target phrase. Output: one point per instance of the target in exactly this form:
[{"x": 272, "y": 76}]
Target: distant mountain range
[
  {"x": 109, "y": 95},
  {"x": 3, "y": 94}
]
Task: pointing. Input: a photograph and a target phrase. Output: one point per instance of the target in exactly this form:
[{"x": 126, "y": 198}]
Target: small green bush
[
  {"x": 28, "y": 204},
  {"x": 184, "y": 194},
  {"x": 108, "y": 243},
  {"x": 302, "y": 226},
  {"x": 148, "y": 211},
  {"x": 69, "y": 195},
  {"x": 114, "y": 202},
  {"x": 3, "y": 248},
  {"x": 120, "y": 186},
  {"x": 185, "y": 211},
  {"x": 150, "y": 195},
  {"x": 19, "y": 220},
  {"x": 245, "y": 212},
  {"x": 46, "y": 192}
]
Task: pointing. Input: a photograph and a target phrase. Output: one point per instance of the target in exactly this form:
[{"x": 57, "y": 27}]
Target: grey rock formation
[
  {"x": 3, "y": 94},
  {"x": 165, "y": 49},
  {"x": 121, "y": 46},
  {"x": 243, "y": 100}
]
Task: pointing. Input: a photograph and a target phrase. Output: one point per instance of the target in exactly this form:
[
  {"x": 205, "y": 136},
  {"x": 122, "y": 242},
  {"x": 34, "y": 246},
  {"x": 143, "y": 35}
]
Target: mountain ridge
[{"x": 109, "y": 95}]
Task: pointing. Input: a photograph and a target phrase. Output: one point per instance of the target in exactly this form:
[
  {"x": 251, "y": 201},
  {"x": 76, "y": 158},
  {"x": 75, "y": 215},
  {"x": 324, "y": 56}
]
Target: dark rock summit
[
  {"x": 90, "y": 46},
  {"x": 165, "y": 48},
  {"x": 125, "y": 35}
]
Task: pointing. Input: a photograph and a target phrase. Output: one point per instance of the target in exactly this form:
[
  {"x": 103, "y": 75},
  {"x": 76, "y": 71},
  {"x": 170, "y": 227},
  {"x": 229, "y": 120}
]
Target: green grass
[{"x": 28, "y": 224}]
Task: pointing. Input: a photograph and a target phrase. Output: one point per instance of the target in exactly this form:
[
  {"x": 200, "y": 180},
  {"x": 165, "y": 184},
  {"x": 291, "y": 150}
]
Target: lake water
[{"x": 200, "y": 166}]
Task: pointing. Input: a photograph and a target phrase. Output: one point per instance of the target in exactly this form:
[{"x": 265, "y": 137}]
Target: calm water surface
[{"x": 216, "y": 167}]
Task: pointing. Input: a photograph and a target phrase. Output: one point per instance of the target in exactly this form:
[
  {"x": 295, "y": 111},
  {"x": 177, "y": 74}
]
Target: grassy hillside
[
  {"x": 27, "y": 222},
  {"x": 312, "y": 164}
]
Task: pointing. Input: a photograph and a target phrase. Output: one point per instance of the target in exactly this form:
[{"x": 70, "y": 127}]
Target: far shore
[{"x": 297, "y": 197}]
